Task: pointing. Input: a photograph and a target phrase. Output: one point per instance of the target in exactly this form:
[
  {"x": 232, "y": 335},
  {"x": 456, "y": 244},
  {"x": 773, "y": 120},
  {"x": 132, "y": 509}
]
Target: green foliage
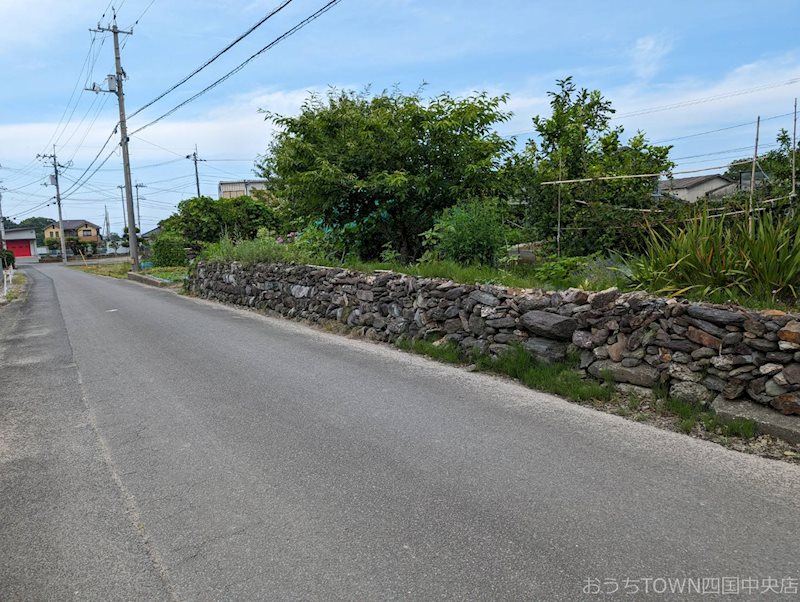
[
  {"x": 577, "y": 142},
  {"x": 168, "y": 249},
  {"x": 7, "y": 259},
  {"x": 774, "y": 166},
  {"x": 38, "y": 224},
  {"x": 53, "y": 243},
  {"x": 469, "y": 233},
  {"x": 248, "y": 252},
  {"x": 171, "y": 274},
  {"x": 558, "y": 378},
  {"x": 740, "y": 427},
  {"x": 204, "y": 220},
  {"x": 690, "y": 414},
  {"x": 323, "y": 244},
  {"x": 718, "y": 258},
  {"x": 313, "y": 246},
  {"x": 77, "y": 246},
  {"x": 378, "y": 170},
  {"x": 448, "y": 352},
  {"x": 125, "y": 241}
]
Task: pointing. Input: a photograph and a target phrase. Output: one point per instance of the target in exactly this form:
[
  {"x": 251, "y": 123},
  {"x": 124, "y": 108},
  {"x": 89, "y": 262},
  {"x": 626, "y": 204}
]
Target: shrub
[
  {"x": 719, "y": 258},
  {"x": 469, "y": 233},
  {"x": 259, "y": 250},
  {"x": 168, "y": 250},
  {"x": 7, "y": 259}
]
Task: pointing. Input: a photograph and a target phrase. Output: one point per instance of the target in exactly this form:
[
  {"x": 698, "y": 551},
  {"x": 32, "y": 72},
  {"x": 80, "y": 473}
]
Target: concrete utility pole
[
  {"x": 138, "y": 213},
  {"x": 115, "y": 87},
  {"x": 2, "y": 225},
  {"x": 106, "y": 224},
  {"x": 122, "y": 196},
  {"x": 753, "y": 179},
  {"x": 194, "y": 158},
  {"x": 54, "y": 180},
  {"x": 793, "y": 196}
]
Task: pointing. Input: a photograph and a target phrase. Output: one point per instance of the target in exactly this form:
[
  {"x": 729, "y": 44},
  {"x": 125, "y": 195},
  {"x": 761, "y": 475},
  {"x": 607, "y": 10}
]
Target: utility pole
[
  {"x": 106, "y": 224},
  {"x": 122, "y": 196},
  {"x": 194, "y": 158},
  {"x": 54, "y": 180},
  {"x": 138, "y": 213},
  {"x": 2, "y": 224},
  {"x": 753, "y": 179},
  {"x": 793, "y": 196},
  {"x": 115, "y": 87}
]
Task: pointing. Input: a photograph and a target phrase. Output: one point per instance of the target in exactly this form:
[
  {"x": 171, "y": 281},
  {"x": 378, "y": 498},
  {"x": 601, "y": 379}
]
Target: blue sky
[{"x": 738, "y": 58}]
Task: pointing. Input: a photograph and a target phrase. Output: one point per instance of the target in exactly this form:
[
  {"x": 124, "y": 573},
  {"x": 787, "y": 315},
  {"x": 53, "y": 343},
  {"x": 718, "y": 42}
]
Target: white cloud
[{"x": 647, "y": 55}]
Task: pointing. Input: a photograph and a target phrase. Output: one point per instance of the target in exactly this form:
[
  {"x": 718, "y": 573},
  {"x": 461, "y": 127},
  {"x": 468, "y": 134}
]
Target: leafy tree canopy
[
  {"x": 578, "y": 141},
  {"x": 37, "y": 223},
  {"x": 379, "y": 169},
  {"x": 202, "y": 219}
]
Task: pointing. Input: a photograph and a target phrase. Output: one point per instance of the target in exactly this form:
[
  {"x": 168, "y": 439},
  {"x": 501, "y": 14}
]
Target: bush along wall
[{"x": 695, "y": 351}]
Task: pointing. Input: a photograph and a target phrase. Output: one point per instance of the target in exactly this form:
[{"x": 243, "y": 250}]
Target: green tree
[
  {"x": 774, "y": 167},
  {"x": 202, "y": 219},
  {"x": 471, "y": 232},
  {"x": 125, "y": 241},
  {"x": 577, "y": 141},
  {"x": 38, "y": 224},
  {"x": 168, "y": 250},
  {"x": 377, "y": 170}
]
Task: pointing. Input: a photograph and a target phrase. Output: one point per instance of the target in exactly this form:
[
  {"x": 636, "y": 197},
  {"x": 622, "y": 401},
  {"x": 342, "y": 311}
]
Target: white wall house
[
  {"x": 233, "y": 188},
  {"x": 21, "y": 242},
  {"x": 697, "y": 188}
]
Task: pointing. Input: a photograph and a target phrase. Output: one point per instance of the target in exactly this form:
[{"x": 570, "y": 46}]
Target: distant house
[
  {"x": 81, "y": 229},
  {"x": 150, "y": 234},
  {"x": 697, "y": 188},
  {"x": 21, "y": 242},
  {"x": 234, "y": 188}
]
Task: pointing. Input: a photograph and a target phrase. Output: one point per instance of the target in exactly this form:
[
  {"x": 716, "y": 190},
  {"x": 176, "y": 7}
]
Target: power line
[
  {"x": 242, "y": 65},
  {"x": 726, "y": 151},
  {"x": 181, "y": 155},
  {"x": 93, "y": 161},
  {"x": 722, "y": 129},
  {"x": 642, "y": 175},
  {"x": 144, "y": 12},
  {"x": 697, "y": 101},
  {"x": 241, "y": 37}
]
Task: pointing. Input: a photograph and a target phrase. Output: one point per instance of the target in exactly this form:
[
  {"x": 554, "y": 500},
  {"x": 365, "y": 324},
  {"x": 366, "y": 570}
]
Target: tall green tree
[
  {"x": 379, "y": 169},
  {"x": 577, "y": 141},
  {"x": 38, "y": 224}
]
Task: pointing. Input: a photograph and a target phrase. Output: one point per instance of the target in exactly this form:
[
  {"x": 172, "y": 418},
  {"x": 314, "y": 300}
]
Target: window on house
[{"x": 86, "y": 233}]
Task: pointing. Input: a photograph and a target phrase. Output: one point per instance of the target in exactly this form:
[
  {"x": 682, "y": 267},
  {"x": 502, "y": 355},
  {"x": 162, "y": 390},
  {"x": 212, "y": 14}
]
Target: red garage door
[{"x": 20, "y": 248}]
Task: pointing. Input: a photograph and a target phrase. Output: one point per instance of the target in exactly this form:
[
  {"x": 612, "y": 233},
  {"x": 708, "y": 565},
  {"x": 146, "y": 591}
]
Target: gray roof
[
  {"x": 74, "y": 224},
  {"x": 154, "y": 232},
  {"x": 690, "y": 182}
]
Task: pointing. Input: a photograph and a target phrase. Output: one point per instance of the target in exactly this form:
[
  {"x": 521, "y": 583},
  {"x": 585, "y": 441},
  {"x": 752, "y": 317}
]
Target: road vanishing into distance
[{"x": 159, "y": 447}]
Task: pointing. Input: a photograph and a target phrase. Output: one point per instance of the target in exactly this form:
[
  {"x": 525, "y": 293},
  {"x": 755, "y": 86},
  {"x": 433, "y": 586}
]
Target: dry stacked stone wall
[{"x": 695, "y": 351}]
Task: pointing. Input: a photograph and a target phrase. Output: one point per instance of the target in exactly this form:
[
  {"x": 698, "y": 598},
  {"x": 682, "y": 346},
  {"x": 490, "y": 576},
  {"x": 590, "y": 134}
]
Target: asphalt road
[{"x": 157, "y": 447}]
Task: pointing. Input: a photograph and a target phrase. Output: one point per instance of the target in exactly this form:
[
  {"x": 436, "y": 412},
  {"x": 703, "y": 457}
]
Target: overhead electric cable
[
  {"x": 241, "y": 37},
  {"x": 242, "y": 65},
  {"x": 641, "y": 175}
]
